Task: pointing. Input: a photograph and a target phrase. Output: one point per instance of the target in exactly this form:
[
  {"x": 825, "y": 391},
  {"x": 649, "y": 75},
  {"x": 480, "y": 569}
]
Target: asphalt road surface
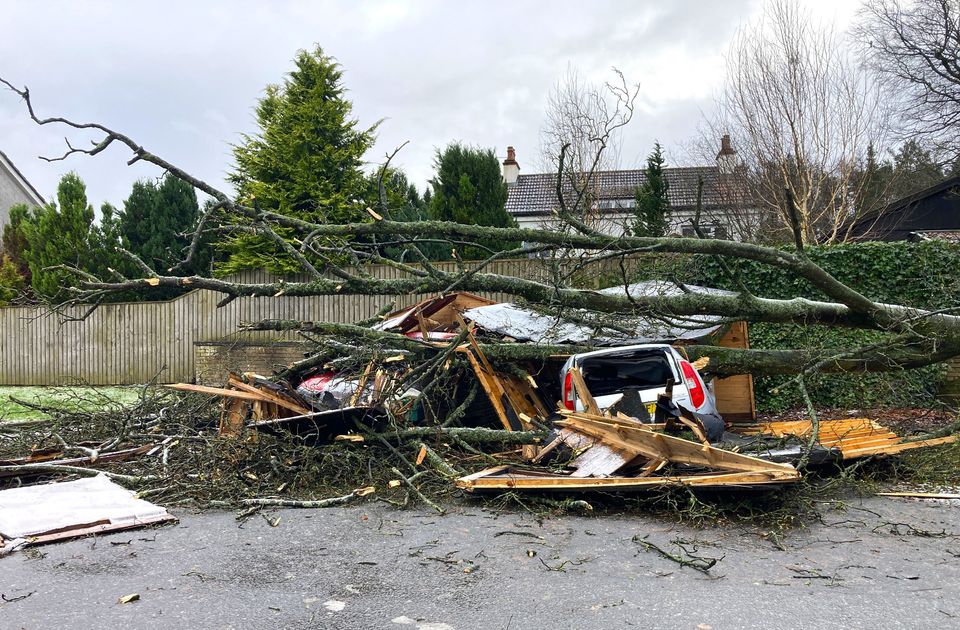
[{"x": 877, "y": 563}]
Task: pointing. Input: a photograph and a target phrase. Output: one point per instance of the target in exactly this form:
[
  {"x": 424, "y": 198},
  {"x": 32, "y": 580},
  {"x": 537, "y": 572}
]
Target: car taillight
[
  {"x": 694, "y": 384},
  {"x": 568, "y": 400}
]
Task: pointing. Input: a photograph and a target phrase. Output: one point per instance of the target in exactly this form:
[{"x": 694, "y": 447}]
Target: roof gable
[{"x": 6, "y": 164}]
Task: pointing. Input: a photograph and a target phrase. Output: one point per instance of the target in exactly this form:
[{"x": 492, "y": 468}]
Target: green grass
[{"x": 70, "y": 398}]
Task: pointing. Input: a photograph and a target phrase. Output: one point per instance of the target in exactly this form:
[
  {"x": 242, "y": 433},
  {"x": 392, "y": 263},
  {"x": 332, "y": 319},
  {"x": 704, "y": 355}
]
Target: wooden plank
[
  {"x": 600, "y": 460},
  {"x": 735, "y": 394},
  {"x": 583, "y": 392},
  {"x": 634, "y": 438},
  {"x": 215, "y": 391},
  {"x": 112, "y": 456},
  {"x": 504, "y": 478},
  {"x": 488, "y": 388},
  {"x": 920, "y": 495},
  {"x": 268, "y": 396},
  {"x": 892, "y": 449},
  {"x": 99, "y": 527}
]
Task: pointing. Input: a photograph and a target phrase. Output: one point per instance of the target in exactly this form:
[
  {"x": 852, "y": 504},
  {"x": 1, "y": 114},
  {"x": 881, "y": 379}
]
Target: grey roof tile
[{"x": 536, "y": 193}]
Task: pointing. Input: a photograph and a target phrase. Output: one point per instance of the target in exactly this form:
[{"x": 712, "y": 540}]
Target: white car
[{"x": 645, "y": 368}]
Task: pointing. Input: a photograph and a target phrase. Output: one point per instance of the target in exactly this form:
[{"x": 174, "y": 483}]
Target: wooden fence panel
[{"x": 129, "y": 343}]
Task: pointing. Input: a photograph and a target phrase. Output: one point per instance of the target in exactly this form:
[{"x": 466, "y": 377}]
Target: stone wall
[{"x": 214, "y": 359}]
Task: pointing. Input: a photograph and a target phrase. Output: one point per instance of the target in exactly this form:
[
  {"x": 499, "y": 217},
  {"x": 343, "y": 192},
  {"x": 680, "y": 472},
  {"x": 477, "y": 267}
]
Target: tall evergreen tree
[
  {"x": 468, "y": 188},
  {"x": 157, "y": 220},
  {"x": 652, "y": 211},
  {"x": 61, "y": 233},
  {"x": 15, "y": 241},
  {"x": 304, "y": 161}
]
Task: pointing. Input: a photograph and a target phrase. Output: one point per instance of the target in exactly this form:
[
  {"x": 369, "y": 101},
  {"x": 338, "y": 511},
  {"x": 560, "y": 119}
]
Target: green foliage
[
  {"x": 15, "y": 241},
  {"x": 64, "y": 235},
  {"x": 468, "y": 188},
  {"x": 399, "y": 200},
  {"x": 906, "y": 388},
  {"x": 909, "y": 169},
  {"x": 653, "y": 209},
  {"x": 305, "y": 160},
  {"x": 12, "y": 283},
  {"x": 157, "y": 221},
  {"x": 913, "y": 274}
]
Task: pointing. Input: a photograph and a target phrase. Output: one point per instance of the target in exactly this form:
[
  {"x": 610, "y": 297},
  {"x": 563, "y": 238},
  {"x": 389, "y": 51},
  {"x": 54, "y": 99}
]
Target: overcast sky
[{"x": 182, "y": 78}]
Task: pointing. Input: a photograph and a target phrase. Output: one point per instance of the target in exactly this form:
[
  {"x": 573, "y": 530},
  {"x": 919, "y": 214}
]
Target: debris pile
[{"x": 449, "y": 394}]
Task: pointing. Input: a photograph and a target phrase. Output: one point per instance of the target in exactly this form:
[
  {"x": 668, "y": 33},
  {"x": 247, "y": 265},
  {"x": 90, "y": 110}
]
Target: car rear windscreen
[{"x": 611, "y": 374}]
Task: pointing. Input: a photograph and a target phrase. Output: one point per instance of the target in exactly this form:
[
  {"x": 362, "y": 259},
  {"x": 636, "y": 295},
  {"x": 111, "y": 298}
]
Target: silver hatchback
[{"x": 644, "y": 368}]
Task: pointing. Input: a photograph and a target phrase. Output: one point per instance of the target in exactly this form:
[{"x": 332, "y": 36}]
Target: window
[{"x": 611, "y": 374}]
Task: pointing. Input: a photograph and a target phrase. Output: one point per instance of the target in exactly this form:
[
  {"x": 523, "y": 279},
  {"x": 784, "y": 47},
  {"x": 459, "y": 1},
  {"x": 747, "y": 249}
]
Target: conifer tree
[
  {"x": 304, "y": 160},
  {"x": 653, "y": 208},
  {"x": 468, "y": 188}
]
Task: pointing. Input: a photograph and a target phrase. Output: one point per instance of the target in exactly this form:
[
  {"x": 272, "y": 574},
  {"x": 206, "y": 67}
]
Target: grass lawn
[{"x": 76, "y": 398}]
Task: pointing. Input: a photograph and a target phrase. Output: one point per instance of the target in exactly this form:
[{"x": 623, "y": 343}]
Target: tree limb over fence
[{"x": 923, "y": 337}]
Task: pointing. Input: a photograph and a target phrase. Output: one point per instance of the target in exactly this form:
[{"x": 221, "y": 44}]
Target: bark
[
  {"x": 474, "y": 435},
  {"x": 723, "y": 361},
  {"x": 939, "y": 331}
]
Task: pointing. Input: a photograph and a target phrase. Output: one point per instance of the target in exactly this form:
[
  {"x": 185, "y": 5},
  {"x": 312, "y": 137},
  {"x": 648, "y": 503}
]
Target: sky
[{"x": 182, "y": 78}]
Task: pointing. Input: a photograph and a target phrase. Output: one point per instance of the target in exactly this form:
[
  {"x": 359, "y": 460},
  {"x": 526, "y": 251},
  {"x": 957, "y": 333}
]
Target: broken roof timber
[{"x": 510, "y": 478}]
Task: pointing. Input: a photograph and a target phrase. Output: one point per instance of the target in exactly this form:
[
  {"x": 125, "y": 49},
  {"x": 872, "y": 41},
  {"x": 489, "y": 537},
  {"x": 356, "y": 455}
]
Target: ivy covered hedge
[{"x": 925, "y": 275}]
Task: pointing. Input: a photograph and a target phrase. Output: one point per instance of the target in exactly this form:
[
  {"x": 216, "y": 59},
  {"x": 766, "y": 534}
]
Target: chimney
[
  {"x": 727, "y": 157},
  {"x": 511, "y": 170}
]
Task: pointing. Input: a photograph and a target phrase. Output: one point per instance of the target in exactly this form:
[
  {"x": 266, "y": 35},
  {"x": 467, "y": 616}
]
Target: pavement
[{"x": 872, "y": 563}]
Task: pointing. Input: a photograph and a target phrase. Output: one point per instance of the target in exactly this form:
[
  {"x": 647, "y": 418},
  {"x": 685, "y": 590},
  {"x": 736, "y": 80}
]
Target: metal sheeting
[
  {"x": 42, "y": 509},
  {"x": 525, "y": 324}
]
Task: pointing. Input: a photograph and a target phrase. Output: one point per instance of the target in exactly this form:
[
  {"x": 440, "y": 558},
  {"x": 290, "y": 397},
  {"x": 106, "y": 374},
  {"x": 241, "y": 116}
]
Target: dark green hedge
[{"x": 924, "y": 275}]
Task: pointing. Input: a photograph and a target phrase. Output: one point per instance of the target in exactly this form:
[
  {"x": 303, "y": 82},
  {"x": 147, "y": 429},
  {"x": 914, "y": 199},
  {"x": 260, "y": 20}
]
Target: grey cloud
[{"x": 182, "y": 78}]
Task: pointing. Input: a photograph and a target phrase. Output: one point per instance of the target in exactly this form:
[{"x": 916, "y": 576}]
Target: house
[
  {"x": 932, "y": 213},
  {"x": 14, "y": 189},
  {"x": 532, "y": 198}
]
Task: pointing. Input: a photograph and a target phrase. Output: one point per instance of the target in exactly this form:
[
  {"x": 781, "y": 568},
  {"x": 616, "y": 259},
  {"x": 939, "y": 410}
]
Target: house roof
[
  {"x": 536, "y": 193},
  {"x": 27, "y": 187},
  {"x": 937, "y": 188},
  {"x": 868, "y": 218}
]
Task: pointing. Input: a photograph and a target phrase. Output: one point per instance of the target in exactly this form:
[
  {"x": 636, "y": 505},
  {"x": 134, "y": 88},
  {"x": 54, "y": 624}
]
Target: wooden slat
[
  {"x": 634, "y": 438},
  {"x": 600, "y": 460},
  {"x": 489, "y": 388},
  {"x": 215, "y": 391},
  {"x": 892, "y": 449},
  {"x": 583, "y": 392},
  {"x": 504, "y": 478},
  {"x": 267, "y": 395}
]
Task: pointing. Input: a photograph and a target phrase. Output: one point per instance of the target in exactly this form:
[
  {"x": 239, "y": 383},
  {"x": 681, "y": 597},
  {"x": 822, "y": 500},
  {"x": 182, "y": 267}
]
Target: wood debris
[
  {"x": 854, "y": 437},
  {"x": 630, "y": 454}
]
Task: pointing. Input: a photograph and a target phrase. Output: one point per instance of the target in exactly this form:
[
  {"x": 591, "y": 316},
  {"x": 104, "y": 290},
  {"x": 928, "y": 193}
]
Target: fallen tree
[{"x": 332, "y": 258}]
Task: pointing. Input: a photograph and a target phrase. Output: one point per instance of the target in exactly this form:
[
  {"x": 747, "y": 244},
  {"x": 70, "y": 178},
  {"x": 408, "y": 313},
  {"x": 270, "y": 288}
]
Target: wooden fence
[{"x": 128, "y": 343}]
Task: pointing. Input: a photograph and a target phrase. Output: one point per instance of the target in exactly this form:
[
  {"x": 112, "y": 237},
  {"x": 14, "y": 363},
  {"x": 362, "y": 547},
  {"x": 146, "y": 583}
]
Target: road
[{"x": 874, "y": 563}]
